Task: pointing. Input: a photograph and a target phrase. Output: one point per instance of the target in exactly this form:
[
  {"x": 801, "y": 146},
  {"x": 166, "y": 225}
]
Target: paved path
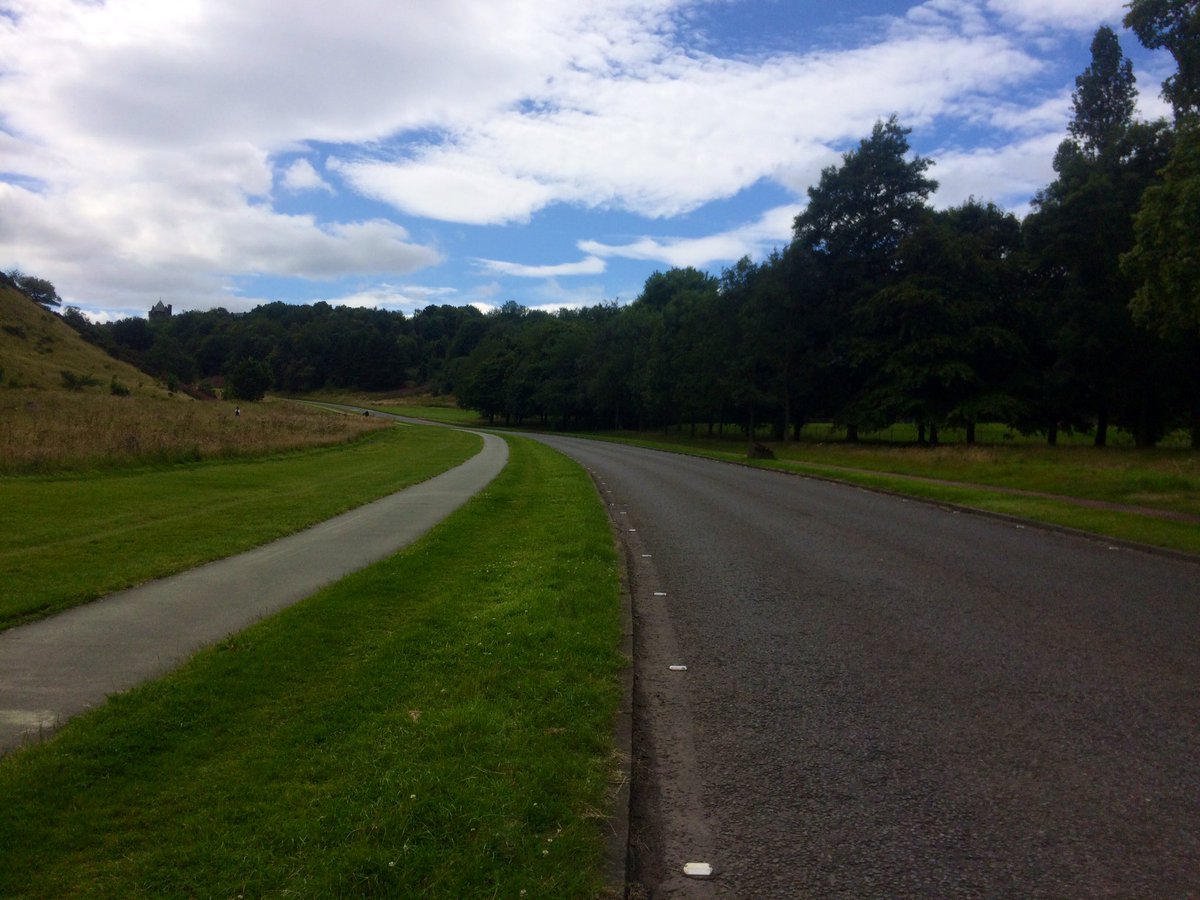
[
  {"x": 884, "y": 698},
  {"x": 58, "y": 667}
]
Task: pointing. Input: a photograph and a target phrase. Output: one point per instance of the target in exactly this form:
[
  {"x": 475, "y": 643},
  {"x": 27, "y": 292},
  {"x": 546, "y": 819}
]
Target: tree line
[{"x": 881, "y": 309}]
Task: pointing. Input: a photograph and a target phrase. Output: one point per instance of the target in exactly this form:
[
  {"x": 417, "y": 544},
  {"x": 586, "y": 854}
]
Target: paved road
[
  {"x": 58, "y": 667},
  {"x": 887, "y": 699}
]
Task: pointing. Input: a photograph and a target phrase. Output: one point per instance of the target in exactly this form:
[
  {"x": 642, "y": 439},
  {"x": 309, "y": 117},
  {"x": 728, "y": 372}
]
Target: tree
[
  {"x": 942, "y": 341},
  {"x": 1173, "y": 25},
  {"x": 39, "y": 290},
  {"x": 860, "y": 211},
  {"x": 1082, "y": 224},
  {"x": 857, "y": 215},
  {"x": 1104, "y": 98},
  {"x": 1165, "y": 260},
  {"x": 249, "y": 379}
]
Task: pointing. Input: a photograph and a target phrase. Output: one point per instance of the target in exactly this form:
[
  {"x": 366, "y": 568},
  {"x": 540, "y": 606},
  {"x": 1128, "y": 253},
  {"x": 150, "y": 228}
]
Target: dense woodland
[{"x": 1084, "y": 316}]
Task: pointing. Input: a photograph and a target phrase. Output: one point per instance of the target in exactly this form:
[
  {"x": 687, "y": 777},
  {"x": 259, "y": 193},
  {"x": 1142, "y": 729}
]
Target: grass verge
[
  {"x": 438, "y": 725},
  {"x": 416, "y": 403},
  {"x": 65, "y": 540},
  {"x": 47, "y": 432}
]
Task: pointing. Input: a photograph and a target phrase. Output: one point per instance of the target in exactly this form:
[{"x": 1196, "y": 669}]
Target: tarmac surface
[
  {"x": 840, "y": 693},
  {"x": 58, "y": 667}
]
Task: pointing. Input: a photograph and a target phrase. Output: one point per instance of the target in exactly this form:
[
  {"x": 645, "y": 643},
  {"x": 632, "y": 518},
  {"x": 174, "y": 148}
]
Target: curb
[{"x": 615, "y": 869}]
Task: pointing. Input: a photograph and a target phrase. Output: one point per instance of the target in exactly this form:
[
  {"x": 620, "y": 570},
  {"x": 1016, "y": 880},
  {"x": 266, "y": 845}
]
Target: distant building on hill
[{"x": 160, "y": 311}]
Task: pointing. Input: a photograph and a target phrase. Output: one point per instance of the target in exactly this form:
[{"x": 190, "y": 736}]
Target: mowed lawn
[
  {"x": 438, "y": 725},
  {"x": 67, "y": 539}
]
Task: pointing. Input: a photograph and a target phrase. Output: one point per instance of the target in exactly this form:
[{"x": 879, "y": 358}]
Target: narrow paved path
[
  {"x": 883, "y": 698},
  {"x": 58, "y": 667}
]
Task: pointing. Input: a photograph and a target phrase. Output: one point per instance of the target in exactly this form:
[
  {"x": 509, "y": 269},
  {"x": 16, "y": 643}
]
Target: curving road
[{"x": 885, "y": 698}]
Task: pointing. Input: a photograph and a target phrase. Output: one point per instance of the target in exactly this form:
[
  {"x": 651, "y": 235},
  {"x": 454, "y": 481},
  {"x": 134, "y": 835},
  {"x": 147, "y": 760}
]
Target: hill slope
[{"x": 37, "y": 348}]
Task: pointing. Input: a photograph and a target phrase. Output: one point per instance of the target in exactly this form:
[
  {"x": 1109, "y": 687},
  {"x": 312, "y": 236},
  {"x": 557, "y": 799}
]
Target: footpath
[{"x": 56, "y": 668}]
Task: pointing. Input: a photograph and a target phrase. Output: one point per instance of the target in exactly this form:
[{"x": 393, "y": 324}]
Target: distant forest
[{"x": 1084, "y": 316}]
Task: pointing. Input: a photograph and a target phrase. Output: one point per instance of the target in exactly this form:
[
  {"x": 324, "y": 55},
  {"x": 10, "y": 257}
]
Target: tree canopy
[
  {"x": 39, "y": 290},
  {"x": 881, "y": 309}
]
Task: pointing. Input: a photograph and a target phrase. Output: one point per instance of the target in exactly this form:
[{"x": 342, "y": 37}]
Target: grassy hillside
[
  {"x": 37, "y": 347},
  {"x": 67, "y": 406}
]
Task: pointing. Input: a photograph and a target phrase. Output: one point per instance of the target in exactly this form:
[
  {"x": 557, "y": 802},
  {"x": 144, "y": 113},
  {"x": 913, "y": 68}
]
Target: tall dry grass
[{"x": 44, "y": 432}]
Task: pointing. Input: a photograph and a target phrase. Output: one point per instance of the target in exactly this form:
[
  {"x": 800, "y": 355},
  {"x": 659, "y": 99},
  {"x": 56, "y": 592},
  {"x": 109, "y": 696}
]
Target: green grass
[
  {"x": 985, "y": 433},
  {"x": 438, "y": 725},
  {"x": 451, "y": 415},
  {"x": 418, "y": 404},
  {"x": 1164, "y": 479},
  {"x": 66, "y": 540}
]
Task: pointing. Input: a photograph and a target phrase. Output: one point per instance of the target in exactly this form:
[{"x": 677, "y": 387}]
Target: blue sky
[{"x": 234, "y": 152}]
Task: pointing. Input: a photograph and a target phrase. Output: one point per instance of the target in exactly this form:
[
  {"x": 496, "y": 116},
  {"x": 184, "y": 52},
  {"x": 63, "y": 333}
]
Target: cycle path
[{"x": 56, "y": 668}]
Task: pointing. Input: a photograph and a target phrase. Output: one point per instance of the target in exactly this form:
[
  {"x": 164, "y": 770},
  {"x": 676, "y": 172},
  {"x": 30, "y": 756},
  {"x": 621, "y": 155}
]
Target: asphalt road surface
[{"x": 885, "y": 698}]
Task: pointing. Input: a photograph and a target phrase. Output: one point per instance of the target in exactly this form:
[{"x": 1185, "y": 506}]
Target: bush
[
  {"x": 75, "y": 382},
  {"x": 247, "y": 380}
]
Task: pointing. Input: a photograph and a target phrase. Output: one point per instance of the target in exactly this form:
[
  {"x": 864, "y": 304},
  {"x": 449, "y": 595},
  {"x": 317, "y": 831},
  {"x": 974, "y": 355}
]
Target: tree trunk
[
  {"x": 933, "y": 435},
  {"x": 787, "y": 409},
  {"x": 1101, "y": 428},
  {"x": 921, "y": 433},
  {"x": 1145, "y": 438},
  {"x": 851, "y": 434},
  {"x": 970, "y": 432}
]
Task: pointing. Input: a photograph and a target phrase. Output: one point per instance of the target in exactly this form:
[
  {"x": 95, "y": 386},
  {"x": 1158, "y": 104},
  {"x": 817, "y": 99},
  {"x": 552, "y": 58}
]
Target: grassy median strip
[
  {"x": 68, "y": 539},
  {"x": 437, "y": 725}
]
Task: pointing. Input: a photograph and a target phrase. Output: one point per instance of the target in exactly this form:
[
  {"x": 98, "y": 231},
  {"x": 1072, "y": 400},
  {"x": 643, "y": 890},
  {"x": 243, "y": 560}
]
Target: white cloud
[
  {"x": 756, "y": 239},
  {"x": 193, "y": 71},
  {"x": 101, "y": 243},
  {"x": 452, "y": 187},
  {"x": 140, "y": 139},
  {"x": 1080, "y": 15},
  {"x": 390, "y": 297},
  {"x": 301, "y": 176},
  {"x": 590, "y": 265},
  {"x": 682, "y": 131},
  {"x": 1011, "y": 174}
]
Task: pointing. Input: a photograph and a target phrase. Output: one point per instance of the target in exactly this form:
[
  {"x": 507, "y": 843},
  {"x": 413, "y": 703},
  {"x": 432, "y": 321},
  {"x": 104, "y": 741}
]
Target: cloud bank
[{"x": 177, "y": 150}]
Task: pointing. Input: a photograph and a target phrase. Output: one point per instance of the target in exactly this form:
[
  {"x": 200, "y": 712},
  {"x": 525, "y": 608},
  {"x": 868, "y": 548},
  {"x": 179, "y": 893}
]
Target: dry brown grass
[{"x": 44, "y": 432}]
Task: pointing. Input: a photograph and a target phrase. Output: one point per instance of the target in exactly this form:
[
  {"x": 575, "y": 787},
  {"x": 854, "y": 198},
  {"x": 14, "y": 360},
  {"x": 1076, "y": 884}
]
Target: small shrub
[
  {"x": 117, "y": 389},
  {"x": 16, "y": 331},
  {"x": 75, "y": 382}
]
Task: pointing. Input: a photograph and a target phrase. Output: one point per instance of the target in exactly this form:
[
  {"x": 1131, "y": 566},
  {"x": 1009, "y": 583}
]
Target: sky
[{"x": 394, "y": 154}]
